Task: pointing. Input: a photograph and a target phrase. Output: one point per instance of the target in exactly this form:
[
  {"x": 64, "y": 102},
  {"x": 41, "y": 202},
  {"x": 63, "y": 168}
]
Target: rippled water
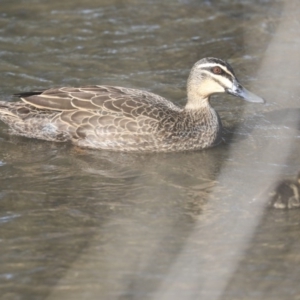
[{"x": 80, "y": 224}]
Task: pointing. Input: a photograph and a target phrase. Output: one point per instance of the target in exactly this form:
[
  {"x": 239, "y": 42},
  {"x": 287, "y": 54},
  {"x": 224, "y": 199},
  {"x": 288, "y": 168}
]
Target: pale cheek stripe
[{"x": 224, "y": 82}]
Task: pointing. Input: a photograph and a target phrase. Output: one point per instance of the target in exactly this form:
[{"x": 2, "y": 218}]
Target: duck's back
[{"x": 104, "y": 117}]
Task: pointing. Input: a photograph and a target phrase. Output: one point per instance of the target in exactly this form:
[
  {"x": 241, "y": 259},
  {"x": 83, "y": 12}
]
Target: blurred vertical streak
[{"x": 277, "y": 71}]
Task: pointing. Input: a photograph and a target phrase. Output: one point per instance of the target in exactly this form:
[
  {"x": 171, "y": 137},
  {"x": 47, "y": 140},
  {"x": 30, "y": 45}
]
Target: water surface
[{"x": 81, "y": 224}]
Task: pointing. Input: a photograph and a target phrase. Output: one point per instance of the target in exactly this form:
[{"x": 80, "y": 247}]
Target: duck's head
[{"x": 211, "y": 76}]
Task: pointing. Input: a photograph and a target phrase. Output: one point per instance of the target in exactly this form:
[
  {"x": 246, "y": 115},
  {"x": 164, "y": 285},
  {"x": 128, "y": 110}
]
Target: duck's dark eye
[{"x": 216, "y": 70}]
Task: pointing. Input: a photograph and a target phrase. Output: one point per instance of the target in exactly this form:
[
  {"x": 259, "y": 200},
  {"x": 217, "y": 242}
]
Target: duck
[
  {"x": 126, "y": 119},
  {"x": 286, "y": 194}
]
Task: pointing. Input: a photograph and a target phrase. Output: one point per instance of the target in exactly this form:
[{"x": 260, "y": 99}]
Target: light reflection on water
[{"x": 79, "y": 223}]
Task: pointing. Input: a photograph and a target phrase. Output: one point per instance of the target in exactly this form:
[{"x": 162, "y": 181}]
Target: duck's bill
[{"x": 243, "y": 93}]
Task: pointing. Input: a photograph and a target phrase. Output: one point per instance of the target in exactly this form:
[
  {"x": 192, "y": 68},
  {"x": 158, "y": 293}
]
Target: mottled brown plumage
[{"x": 124, "y": 119}]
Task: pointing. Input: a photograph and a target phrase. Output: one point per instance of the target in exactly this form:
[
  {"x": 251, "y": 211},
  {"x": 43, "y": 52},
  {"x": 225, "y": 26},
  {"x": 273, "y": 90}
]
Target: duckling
[
  {"x": 126, "y": 119},
  {"x": 286, "y": 194}
]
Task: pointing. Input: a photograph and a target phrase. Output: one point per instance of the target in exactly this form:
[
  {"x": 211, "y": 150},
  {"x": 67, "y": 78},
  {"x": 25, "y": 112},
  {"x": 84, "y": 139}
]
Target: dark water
[{"x": 79, "y": 224}]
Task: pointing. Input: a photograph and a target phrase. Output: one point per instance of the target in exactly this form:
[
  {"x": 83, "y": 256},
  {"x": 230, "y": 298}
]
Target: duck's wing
[
  {"x": 109, "y": 99},
  {"x": 102, "y": 113}
]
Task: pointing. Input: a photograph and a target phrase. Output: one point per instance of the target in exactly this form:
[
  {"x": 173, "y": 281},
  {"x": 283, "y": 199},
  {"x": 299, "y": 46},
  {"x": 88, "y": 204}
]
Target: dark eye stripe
[
  {"x": 224, "y": 74},
  {"x": 222, "y": 63}
]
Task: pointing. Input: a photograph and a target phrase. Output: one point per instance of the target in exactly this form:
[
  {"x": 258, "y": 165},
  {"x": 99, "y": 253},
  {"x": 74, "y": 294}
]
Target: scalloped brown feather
[{"x": 114, "y": 118}]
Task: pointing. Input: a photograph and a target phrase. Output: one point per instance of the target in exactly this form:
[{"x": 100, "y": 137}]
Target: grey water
[{"x": 82, "y": 224}]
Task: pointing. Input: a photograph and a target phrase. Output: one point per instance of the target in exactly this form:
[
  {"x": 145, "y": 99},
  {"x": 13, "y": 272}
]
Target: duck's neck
[
  {"x": 204, "y": 118},
  {"x": 197, "y": 99},
  {"x": 199, "y": 109},
  {"x": 198, "y": 104}
]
